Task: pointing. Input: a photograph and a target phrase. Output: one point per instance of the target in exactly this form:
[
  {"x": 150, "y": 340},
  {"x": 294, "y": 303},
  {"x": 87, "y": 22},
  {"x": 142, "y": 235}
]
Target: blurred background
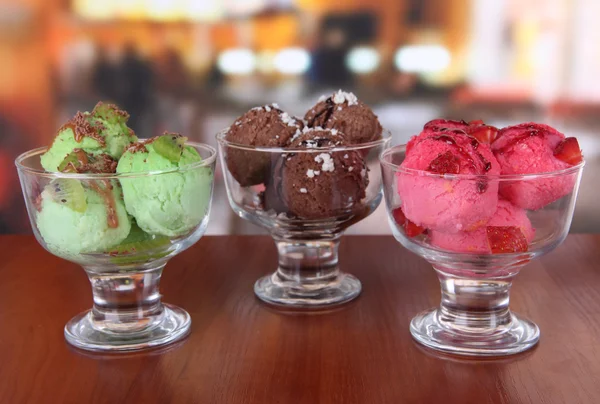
[{"x": 193, "y": 66}]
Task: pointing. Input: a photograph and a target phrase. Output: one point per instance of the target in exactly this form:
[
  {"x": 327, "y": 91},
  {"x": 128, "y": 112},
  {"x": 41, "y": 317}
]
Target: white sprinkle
[
  {"x": 267, "y": 108},
  {"x": 363, "y": 173},
  {"x": 350, "y": 169},
  {"x": 310, "y": 173},
  {"x": 276, "y": 136},
  {"x": 303, "y": 190},
  {"x": 327, "y": 161},
  {"x": 275, "y": 105},
  {"x": 238, "y": 123},
  {"x": 257, "y": 109},
  {"x": 334, "y": 132},
  {"x": 339, "y": 108},
  {"x": 345, "y": 156},
  {"x": 317, "y": 172},
  {"x": 322, "y": 98},
  {"x": 286, "y": 118},
  {"x": 341, "y": 97}
]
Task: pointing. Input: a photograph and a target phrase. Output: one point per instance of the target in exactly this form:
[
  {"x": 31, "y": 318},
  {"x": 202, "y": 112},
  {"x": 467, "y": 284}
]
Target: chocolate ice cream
[
  {"x": 266, "y": 126},
  {"x": 319, "y": 184},
  {"x": 344, "y": 112}
]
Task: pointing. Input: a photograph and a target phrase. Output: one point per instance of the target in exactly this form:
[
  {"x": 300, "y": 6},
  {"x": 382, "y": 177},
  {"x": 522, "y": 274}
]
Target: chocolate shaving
[{"x": 81, "y": 128}]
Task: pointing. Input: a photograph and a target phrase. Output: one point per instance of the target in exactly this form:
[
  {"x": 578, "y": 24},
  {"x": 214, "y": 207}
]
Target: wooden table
[{"x": 241, "y": 351}]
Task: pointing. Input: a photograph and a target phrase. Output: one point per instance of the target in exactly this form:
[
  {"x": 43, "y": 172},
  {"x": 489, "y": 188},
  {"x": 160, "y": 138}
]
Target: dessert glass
[
  {"x": 308, "y": 273},
  {"x": 474, "y": 316},
  {"x": 127, "y": 313}
]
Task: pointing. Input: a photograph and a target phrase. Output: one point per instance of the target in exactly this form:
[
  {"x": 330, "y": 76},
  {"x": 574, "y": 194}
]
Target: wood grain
[{"x": 241, "y": 351}]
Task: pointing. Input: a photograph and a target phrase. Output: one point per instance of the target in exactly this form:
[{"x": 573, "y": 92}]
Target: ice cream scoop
[
  {"x": 319, "y": 183},
  {"x": 508, "y": 229},
  {"x": 171, "y": 203},
  {"x": 344, "y": 112},
  {"x": 78, "y": 217},
  {"x": 445, "y": 204},
  {"x": 266, "y": 126},
  {"x": 103, "y": 131},
  {"x": 532, "y": 148}
]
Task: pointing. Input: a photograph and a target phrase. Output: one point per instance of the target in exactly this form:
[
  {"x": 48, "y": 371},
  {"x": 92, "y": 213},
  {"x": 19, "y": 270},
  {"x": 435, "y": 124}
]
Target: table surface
[{"x": 241, "y": 351}]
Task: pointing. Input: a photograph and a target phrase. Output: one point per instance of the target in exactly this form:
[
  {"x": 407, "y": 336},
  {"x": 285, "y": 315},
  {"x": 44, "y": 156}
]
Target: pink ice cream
[
  {"x": 477, "y": 241},
  {"x": 529, "y": 148},
  {"x": 449, "y": 205}
]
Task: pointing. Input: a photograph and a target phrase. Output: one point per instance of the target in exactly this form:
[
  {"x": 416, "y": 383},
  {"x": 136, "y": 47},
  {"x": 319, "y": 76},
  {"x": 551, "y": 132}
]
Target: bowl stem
[
  {"x": 127, "y": 314},
  {"x": 308, "y": 275},
  {"x": 474, "y": 318}
]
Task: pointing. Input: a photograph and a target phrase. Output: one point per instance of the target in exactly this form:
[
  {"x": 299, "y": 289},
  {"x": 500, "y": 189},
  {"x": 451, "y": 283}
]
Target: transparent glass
[
  {"x": 306, "y": 210},
  {"x": 474, "y": 316},
  {"x": 123, "y": 262}
]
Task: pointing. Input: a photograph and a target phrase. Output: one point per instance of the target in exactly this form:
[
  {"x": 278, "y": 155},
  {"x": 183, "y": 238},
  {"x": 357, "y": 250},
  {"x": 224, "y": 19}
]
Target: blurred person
[
  {"x": 329, "y": 58},
  {"x": 173, "y": 88},
  {"x": 13, "y": 217},
  {"x": 136, "y": 89},
  {"x": 105, "y": 76}
]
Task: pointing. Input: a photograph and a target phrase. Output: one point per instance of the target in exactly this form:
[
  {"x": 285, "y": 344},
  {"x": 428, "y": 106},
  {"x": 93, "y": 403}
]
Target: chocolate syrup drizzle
[
  {"x": 81, "y": 128},
  {"x": 326, "y": 113},
  {"x": 481, "y": 184},
  {"x": 531, "y": 131}
]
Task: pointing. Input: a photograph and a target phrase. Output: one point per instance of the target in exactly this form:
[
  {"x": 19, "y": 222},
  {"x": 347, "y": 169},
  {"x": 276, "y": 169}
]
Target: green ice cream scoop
[
  {"x": 169, "y": 204},
  {"x": 103, "y": 131},
  {"x": 82, "y": 217}
]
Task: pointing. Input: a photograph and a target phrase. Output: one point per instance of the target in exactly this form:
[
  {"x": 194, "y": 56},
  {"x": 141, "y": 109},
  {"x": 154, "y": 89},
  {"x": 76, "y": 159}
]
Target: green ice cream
[
  {"x": 76, "y": 218},
  {"x": 169, "y": 204},
  {"x": 103, "y": 131}
]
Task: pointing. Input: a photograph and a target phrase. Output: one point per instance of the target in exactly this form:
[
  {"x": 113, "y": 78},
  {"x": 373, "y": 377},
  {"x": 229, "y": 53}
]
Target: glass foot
[
  {"x": 173, "y": 325},
  {"x": 517, "y": 336},
  {"x": 275, "y": 290}
]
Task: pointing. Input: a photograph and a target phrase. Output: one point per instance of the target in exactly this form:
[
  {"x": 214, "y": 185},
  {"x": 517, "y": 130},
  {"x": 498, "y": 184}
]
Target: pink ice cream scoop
[
  {"x": 532, "y": 148},
  {"x": 507, "y": 216},
  {"x": 432, "y": 197}
]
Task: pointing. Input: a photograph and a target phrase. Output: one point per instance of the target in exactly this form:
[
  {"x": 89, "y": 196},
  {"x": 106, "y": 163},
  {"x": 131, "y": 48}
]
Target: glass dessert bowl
[
  {"x": 478, "y": 230},
  {"x": 122, "y": 228},
  {"x": 311, "y": 192}
]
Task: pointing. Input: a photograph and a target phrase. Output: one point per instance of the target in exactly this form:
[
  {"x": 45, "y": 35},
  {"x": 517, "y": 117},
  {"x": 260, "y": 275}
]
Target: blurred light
[
  {"x": 363, "y": 60},
  {"x": 237, "y": 61},
  {"x": 422, "y": 58},
  {"x": 265, "y": 63},
  {"x": 292, "y": 61},
  {"x": 96, "y": 10},
  {"x": 243, "y": 7}
]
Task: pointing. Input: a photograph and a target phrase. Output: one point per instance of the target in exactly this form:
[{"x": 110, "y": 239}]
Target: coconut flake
[
  {"x": 341, "y": 97},
  {"x": 310, "y": 173},
  {"x": 287, "y": 119},
  {"x": 322, "y": 98},
  {"x": 327, "y": 161},
  {"x": 303, "y": 190},
  {"x": 345, "y": 156},
  {"x": 350, "y": 169},
  {"x": 334, "y": 132}
]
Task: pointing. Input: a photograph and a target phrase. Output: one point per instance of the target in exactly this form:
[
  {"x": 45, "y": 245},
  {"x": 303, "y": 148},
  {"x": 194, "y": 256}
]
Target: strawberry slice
[
  {"x": 568, "y": 151},
  {"x": 445, "y": 124},
  {"x": 506, "y": 239},
  {"x": 446, "y": 163},
  {"x": 476, "y": 122},
  {"x": 411, "y": 229},
  {"x": 484, "y": 133}
]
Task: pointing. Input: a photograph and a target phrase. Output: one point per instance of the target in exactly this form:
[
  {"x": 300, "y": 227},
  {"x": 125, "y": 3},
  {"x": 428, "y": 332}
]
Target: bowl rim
[
  {"x": 91, "y": 176},
  {"x": 385, "y": 140},
  {"x": 500, "y": 177}
]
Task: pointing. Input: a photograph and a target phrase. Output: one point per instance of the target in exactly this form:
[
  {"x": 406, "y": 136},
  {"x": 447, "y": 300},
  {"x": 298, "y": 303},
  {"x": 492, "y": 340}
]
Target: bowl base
[
  {"x": 342, "y": 289},
  {"x": 173, "y": 326},
  {"x": 519, "y": 336}
]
